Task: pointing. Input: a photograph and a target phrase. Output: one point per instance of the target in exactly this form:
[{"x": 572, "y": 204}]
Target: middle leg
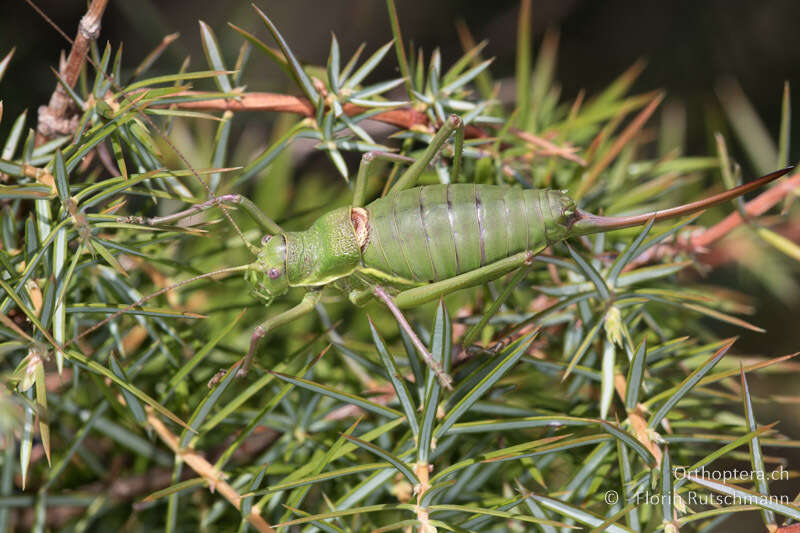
[{"x": 409, "y": 178}]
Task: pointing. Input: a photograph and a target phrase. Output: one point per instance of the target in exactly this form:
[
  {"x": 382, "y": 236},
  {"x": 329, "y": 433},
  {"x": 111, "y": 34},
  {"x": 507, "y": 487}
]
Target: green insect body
[
  {"x": 431, "y": 234},
  {"x": 437, "y": 232},
  {"x": 417, "y": 244},
  {"x": 414, "y": 237}
]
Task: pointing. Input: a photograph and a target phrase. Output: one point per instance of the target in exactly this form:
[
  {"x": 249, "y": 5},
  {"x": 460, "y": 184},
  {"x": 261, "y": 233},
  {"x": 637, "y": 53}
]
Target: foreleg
[{"x": 305, "y": 306}]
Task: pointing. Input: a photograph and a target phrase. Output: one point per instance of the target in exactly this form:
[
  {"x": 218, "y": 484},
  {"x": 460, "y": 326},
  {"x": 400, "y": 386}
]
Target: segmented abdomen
[{"x": 435, "y": 232}]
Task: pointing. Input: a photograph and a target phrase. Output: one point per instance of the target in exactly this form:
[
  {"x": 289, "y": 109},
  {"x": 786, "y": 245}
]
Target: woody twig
[
  {"x": 405, "y": 117},
  {"x": 702, "y": 242},
  {"x": 54, "y": 118},
  {"x": 206, "y": 470},
  {"x": 755, "y": 207}
]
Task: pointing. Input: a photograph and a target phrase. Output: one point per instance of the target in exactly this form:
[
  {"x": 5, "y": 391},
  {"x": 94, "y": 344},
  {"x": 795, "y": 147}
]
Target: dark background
[{"x": 689, "y": 47}]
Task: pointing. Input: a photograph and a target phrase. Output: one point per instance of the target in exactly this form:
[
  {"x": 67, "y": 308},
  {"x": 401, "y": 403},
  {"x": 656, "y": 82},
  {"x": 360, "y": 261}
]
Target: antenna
[{"x": 151, "y": 296}]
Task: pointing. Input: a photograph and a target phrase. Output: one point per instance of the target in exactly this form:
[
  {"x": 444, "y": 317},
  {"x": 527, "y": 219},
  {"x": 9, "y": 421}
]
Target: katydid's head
[{"x": 267, "y": 275}]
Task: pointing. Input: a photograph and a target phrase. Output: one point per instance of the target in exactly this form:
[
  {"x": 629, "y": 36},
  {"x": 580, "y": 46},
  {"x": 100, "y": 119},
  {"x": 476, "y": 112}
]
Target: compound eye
[
  {"x": 274, "y": 273},
  {"x": 265, "y": 239}
]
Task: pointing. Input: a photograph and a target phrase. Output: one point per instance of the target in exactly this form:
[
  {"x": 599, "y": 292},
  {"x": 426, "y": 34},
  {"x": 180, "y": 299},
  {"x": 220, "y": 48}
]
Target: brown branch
[
  {"x": 792, "y": 528},
  {"x": 699, "y": 243},
  {"x": 207, "y": 471},
  {"x": 758, "y": 206},
  {"x": 406, "y": 118},
  {"x": 547, "y": 148},
  {"x": 53, "y": 119},
  {"x": 743, "y": 249}
]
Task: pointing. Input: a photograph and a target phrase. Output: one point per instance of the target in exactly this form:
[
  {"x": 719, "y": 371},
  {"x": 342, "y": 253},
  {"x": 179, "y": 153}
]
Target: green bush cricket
[
  {"x": 415, "y": 245},
  {"x": 418, "y": 244},
  {"x": 398, "y": 250}
]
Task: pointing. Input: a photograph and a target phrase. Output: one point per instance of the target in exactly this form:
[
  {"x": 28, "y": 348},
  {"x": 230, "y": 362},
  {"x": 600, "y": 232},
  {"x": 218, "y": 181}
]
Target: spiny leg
[
  {"x": 367, "y": 161},
  {"x": 443, "y": 377},
  {"x": 305, "y": 306},
  {"x": 409, "y": 178}
]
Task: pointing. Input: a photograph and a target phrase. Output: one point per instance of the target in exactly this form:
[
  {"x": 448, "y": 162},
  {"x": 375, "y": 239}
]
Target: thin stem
[
  {"x": 423, "y": 514},
  {"x": 403, "y": 117},
  {"x": 214, "y": 478},
  {"x": 458, "y": 150}
]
